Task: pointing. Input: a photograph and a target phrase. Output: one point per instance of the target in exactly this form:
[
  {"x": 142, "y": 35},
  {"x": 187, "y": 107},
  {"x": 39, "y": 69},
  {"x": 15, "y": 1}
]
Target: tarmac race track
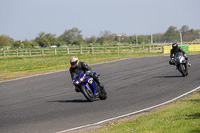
[{"x": 48, "y": 103}]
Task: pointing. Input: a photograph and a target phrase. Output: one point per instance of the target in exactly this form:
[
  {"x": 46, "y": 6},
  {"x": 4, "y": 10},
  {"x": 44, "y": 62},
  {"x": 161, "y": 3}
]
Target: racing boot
[
  {"x": 101, "y": 86},
  {"x": 189, "y": 64}
]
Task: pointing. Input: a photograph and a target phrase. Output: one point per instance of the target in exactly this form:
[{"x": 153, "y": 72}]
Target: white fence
[{"x": 82, "y": 50}]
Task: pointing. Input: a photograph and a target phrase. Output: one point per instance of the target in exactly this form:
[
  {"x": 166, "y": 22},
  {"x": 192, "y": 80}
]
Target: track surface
[{"x": 48, "y": 103}]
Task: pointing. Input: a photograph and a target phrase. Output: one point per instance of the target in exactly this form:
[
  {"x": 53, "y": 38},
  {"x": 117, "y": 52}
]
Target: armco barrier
[
  {"x": 166, "y": 49},
  {"x": 186, "y": 48},
  {"x": 194, "y": 48}
]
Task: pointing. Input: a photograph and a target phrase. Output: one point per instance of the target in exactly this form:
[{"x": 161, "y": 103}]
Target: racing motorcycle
[
  {"x": 88, "y": 86},
  {"x": 181, "y": 63}
]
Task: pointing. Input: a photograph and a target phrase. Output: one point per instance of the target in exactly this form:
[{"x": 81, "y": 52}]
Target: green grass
[
  {"x": 182, "y": 116},
  {"x": 16, "y": 67}
]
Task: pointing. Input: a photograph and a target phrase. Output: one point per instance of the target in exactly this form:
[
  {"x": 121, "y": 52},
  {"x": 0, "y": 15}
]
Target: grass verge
[
  {"x": 182, "y": 116},
  {"x": 11, "y": 68}
]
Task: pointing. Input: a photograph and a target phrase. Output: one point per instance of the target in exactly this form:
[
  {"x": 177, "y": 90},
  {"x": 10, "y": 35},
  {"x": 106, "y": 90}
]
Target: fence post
[
  {"x": 4, "y": 53},
  {"x": 131, "y": 49},
  {"x": 29, "y": 52},
  {"x": 55, "y": 51},
  {"x": 92, "y": 50},
  {"x": 105, "y": 49},
  {"x": 81, "y": 50},
  {"x": 149, "y": 47}
]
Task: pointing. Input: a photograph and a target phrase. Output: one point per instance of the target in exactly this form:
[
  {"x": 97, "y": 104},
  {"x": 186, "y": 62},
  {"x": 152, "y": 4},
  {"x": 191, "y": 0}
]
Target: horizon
[{"x": 24, "y": 19}]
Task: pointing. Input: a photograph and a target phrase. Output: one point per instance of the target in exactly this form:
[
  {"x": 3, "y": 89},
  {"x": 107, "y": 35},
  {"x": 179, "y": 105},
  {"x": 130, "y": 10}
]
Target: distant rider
[
  {"x": 175, "y": 49},
  {"x": 78, "y": 65}
]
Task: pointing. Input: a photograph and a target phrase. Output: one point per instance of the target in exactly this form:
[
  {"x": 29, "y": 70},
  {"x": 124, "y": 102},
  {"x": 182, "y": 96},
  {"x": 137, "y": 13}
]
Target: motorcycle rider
[
  {"x": 175, "y": 49},
  {"x": 78, "y": 65}
]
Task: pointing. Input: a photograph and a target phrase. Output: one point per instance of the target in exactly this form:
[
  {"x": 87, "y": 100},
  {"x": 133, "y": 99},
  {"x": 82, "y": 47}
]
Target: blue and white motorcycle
[{"x": 88, "y": 86}]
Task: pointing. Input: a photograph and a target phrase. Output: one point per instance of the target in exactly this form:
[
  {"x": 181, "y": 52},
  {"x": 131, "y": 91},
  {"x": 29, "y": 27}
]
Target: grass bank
[
  {"x": 16, "y": 67},
  {"x": 182, "y": 116}
]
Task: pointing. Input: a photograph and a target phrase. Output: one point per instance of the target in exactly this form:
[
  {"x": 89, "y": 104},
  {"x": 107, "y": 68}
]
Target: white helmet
[{"x": 74, "y": 61}]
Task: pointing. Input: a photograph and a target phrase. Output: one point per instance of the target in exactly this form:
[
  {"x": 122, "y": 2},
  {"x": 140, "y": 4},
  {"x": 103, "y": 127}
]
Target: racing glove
[
  {"x": 89, "y": 73},
  {"x": 185, "y": 56}
]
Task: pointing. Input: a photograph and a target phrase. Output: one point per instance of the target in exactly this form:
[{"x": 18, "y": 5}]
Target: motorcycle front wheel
[
  {"x": 183, "y": 70},
  {"x": 88, "y": 93}
]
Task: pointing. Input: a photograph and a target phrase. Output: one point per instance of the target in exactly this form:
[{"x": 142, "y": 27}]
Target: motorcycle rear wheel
[{"x": 103, "y": 94}]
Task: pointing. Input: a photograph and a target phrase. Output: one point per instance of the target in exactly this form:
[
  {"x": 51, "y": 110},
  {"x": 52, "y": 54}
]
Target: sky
[{"x": 25, "y": 19}]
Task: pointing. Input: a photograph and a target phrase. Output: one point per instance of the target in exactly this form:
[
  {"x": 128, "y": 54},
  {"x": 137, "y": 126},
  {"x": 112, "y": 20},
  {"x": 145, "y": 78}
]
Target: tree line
[{"x": 74, "y": 37}]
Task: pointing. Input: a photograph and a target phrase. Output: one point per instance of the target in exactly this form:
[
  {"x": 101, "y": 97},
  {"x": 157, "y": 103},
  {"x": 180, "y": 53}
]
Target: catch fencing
[{"x": 82, "y": 50}]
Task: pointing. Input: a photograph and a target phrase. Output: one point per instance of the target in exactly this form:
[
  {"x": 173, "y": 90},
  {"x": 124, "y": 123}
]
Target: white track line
[{"x": 129, "y": 114}]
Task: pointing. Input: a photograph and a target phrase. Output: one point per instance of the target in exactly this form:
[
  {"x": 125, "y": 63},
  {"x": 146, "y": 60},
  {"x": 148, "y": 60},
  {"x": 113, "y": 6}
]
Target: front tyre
[
  {"x": 88, "y": 93},
  {"x": 183, "y": 70}
]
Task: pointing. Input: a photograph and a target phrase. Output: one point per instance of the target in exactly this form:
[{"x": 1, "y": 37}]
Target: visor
[{"x": 73, "y": 64}]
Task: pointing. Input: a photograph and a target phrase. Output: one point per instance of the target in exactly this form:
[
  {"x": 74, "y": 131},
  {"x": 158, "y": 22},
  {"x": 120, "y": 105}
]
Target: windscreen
[
  {"x": 179, "y": 54},
  {"x": 76, "y": 74}
]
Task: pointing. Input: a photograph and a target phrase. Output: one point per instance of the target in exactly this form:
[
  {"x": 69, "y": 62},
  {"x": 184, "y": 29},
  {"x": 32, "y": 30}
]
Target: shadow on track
[
  {"x": 169, "y": 76},
  {"x": 70, "y": 101}
]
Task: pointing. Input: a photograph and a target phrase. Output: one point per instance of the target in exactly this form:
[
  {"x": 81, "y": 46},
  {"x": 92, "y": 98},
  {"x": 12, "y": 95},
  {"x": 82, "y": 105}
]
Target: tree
[
  {"x": 91, "y": 39},
  {"x": 100, "y": 40},
  {"x": 45, "y": 40},
  {"x": 159, "y": 37},
  {"x": 184, "y": 28},
  {"x": 185, "y": 34},
  {"x": 132, "y": 40},
  {"x": 116, "y": 39},
  {"x": 108, "y": 36},
  {"x": 41, "y": 40},
  {"x": 5, "y": 41},
  {"x": 72, "y": 36},
  {"x": 172, "y": 34},
  {"x": 18, "y": 44}
]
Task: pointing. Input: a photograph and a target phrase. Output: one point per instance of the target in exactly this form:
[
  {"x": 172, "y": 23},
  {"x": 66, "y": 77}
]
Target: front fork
[{"x": 89, "y": 88}]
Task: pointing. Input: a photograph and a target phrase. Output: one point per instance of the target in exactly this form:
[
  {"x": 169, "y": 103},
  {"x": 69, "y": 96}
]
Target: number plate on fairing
[{"x": 90, "y": 80}]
